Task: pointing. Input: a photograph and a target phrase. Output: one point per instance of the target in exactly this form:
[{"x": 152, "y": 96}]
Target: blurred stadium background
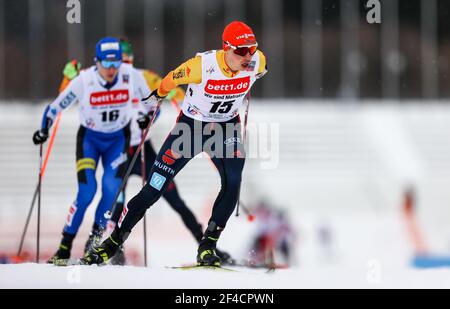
[{"x": 362, "y": 111}]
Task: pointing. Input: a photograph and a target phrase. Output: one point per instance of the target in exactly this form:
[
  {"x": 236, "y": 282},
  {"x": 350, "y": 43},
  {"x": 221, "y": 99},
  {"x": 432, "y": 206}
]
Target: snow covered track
[{"x": 48, "y": 276}]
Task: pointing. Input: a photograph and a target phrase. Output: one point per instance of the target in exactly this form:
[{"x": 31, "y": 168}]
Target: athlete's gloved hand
[
  {"x": 143, "y": 121},
  {"x": 72, "y": 69},
  {"x": 40, "y": 136}
]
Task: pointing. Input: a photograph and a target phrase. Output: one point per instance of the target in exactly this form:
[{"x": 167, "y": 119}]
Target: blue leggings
[{"x": 91, "y": 146}]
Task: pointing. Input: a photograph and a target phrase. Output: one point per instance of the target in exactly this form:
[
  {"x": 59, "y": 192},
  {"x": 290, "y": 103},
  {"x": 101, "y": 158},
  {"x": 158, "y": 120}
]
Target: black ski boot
[
  {"x": 104, "y": 252},
  {"x": 206, "y": 254},
  {"x": 95, "y": 238},
  {"x": 225, "y": 257},
  {"x": 64, "y": 249}
]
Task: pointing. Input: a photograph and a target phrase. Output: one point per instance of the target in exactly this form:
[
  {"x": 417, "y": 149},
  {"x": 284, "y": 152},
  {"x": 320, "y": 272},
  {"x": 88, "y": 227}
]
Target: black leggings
[
  {"x": 170, "y": 195},
  {"x": 220, "y": 140}
]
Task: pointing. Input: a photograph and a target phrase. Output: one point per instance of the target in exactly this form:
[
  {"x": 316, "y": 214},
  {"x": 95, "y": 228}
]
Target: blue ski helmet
[{"x": 108, "y": 49}]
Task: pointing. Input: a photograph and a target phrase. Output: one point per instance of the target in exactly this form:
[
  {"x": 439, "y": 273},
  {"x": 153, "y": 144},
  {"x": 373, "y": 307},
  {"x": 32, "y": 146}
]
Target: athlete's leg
[
  {"x": 172, "y": 197},
  {"x": 229, "y": 162},
  {"x": 115, "y": 163},
  {"x": 167, "y": 164},
  {"x": 229, "y": 159},
  {"x": 159, "y": 178},
  {"x": 87, "y": 157},
  {"x": 230, "y": 170}
]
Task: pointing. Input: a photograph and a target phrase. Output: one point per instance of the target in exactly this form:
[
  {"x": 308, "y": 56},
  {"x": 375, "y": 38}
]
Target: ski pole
[
  {"x": 44, "y": 166},
  {"x": 143, "y": 175},
  {"x": 133, "y": 160},
  {"x": 244, "y": 140},
  {"x": 39, "y": 205},
  {"x": 250, "y": 216}
]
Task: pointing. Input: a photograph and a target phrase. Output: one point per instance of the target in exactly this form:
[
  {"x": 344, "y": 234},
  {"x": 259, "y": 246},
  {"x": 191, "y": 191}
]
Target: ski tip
[
  {"x": 64, "y": 262},
  {"x": 68, "y": 262}
]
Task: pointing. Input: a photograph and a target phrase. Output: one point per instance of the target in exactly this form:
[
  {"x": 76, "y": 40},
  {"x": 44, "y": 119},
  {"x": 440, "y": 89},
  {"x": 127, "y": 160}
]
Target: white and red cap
[{"x": 238, "y": 34}]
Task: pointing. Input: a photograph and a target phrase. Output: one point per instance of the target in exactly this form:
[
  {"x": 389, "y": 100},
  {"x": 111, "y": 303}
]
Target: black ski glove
[
  {"x": 144, "y": 120},
  {"x": 40, "y": 136}
]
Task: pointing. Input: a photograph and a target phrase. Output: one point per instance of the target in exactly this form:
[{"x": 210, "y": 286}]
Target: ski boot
[
  {"x": 104, "y": 252},
  {"x": 206, "y": 254},
  {"x": 64, "y": 249},
  {"x": 95, "y": 238},
  {"x": 100, "y": 254},
  {"x": 224, "y": 256}
]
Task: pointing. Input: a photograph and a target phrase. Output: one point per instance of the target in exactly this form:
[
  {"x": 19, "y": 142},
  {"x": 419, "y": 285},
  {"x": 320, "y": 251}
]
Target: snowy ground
[
  {"x": 46, "y": 276},
  {"x": 365, "y": 252}
]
